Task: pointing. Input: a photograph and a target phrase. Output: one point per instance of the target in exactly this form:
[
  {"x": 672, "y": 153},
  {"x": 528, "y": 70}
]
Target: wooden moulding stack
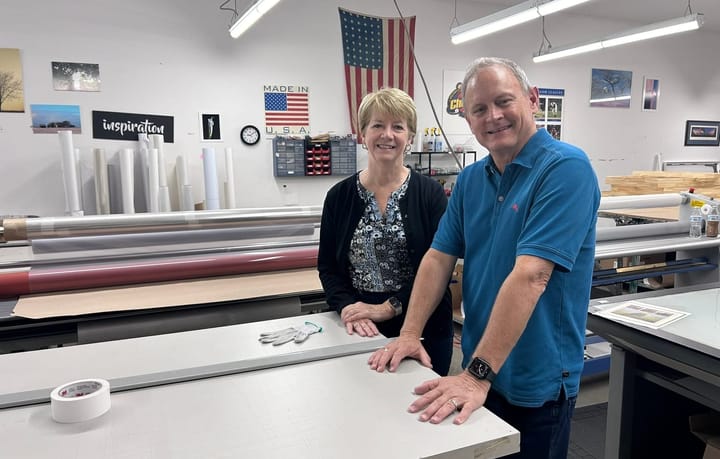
[{"x": 653, "y": 182}]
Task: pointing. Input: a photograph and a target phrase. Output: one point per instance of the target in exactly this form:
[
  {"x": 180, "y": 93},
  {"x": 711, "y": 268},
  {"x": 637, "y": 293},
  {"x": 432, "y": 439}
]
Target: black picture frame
[
  {"x": 702, "y": 133},
  {"x": 210, "y": 127}
]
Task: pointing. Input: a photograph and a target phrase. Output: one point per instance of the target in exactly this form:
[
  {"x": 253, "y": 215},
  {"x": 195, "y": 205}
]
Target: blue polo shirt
[{"x": 545, "y": 205}]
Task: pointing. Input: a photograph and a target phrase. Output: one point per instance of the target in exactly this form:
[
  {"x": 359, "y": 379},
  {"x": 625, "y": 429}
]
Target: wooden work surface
[
  {"x": 168, "y": 294},
  {"x": 652, "y": 182}
]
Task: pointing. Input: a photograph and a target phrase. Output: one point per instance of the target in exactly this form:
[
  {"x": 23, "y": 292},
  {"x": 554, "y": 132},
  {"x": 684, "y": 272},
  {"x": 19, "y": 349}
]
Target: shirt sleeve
[{"x": 564, "y": 213}]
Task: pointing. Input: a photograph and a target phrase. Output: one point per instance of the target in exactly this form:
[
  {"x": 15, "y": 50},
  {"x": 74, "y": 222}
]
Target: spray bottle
[
  {"x": 438, "y": 141},
  {"x": 429, "y": 140}
]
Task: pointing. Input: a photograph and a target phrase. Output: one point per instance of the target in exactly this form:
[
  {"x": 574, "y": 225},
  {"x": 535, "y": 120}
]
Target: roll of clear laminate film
[{"x": 79, "y": 401}]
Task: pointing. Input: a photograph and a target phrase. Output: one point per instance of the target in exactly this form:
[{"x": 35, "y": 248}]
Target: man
[{"x": 523, "y": 218}]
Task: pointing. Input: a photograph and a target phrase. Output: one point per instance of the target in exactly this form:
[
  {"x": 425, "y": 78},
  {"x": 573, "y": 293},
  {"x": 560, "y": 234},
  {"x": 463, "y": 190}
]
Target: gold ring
[{"x": 454, "y": 403}]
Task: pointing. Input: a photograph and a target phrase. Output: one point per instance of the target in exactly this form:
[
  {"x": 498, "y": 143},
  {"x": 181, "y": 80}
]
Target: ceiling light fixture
[
  {"x": 659, "y": 29},
  {"x": 251, "y": 16},
  {"x": 509, "y": 17}
]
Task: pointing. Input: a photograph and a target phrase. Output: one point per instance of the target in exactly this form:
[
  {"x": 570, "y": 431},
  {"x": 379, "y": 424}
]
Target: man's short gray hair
[{"x": 485, "y": 62}]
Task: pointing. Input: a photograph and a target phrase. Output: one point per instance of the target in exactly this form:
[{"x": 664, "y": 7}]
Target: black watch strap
[
  {"x": 481, "y": 370},
  {"x": 396, "y": 304}
]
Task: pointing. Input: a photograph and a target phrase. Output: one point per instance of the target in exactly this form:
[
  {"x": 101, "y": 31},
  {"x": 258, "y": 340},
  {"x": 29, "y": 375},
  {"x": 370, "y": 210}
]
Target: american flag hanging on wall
[{"x": 377, "y": 54}]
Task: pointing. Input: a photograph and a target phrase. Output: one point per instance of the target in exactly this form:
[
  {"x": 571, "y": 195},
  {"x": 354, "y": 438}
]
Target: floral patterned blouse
[{"x": 378, "y": 257}]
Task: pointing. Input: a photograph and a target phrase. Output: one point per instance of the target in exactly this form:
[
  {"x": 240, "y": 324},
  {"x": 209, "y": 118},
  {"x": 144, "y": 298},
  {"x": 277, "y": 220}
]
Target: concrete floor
[{"x": 593, "y": 391}]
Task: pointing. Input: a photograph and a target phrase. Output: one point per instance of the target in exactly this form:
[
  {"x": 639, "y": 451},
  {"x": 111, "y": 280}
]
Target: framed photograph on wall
[
  {"x": 550, "y": 111},
  {"x": 702, "y": 133},
  {"x": 75, "y": 76},
  {"x": 210, "y": 127},
  {"x": 651, "y": 93},
  {"x": 610, "y": 88},
  {"x": 12, "y": 98},
  {"x": 49, "y": 119}
]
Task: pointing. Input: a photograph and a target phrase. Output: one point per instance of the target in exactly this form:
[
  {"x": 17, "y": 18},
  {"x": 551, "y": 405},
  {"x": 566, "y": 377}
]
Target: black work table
[{"x": 659, "y": 377}]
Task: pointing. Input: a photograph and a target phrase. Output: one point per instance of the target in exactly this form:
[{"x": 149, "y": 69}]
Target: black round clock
[{"x": 250, "y": 135}]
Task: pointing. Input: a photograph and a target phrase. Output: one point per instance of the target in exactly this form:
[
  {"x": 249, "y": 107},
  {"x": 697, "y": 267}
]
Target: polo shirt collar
[
  {"x": 532, "y": 149},
  {"x": 528, "y": 154}
]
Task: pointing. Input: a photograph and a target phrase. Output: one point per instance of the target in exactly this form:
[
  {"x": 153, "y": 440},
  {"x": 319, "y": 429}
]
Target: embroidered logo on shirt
[{"x": 515, "y": 207}]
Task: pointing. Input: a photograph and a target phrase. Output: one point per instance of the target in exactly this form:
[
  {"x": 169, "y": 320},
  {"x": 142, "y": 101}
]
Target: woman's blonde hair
[{"x": 388, "y": 101}]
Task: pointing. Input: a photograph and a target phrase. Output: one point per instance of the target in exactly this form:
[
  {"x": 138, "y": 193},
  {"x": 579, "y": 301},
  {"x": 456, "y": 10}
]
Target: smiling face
[
  {"x": 387, "y": 121},
  {"x": 500, "y": 113},
  {"x": 386, "y": 137}
]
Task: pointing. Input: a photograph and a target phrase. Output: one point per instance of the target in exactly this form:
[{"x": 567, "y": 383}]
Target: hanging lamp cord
[
  {"x": 545, "y": 44},
  {"x": 427, "y": 91},
  {"x": 233, "y": 10}
]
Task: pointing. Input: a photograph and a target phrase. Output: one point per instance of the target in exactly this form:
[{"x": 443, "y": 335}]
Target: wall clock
[{"x": 250, "y": 135}]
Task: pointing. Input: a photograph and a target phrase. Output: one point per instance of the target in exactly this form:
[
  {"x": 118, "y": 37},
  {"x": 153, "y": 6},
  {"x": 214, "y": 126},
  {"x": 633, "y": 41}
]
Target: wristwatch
[
  {"x": 481, "y": 370},
  {"x": 396, "y": 304}
]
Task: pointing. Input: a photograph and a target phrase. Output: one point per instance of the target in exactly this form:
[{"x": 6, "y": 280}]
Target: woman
[{"x": 376, "y": 227}]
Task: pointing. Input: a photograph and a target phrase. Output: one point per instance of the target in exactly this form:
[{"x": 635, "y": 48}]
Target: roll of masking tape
[{"x": 79, "y": 401}]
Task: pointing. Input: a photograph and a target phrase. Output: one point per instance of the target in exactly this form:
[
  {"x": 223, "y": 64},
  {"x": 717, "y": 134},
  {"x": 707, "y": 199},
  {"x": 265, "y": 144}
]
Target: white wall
[{"x": 175, "y": 57}]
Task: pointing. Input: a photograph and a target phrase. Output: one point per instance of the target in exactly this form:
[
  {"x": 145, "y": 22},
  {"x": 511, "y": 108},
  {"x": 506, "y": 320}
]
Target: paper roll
[
  {"x": 102, "y": 185},
  {"x": 212, "y": 193},
  {"x": 127, "y": 179},
  {"x": 78, "y": 183},
  {"x": 187, "y": 201},
  {"x": 164, "y": 195},
  {"x": 157, "y": 141},
  {"x": 70, "y": 175},
  {"x": 143, "y": 141},
  {"x": 183, "y": 184},
  {"x": 144, "y": 153},
  {"x": 153, "y": 182},
  {"x": 79, "y": 401},
  {"x": 229, "y": 180}
]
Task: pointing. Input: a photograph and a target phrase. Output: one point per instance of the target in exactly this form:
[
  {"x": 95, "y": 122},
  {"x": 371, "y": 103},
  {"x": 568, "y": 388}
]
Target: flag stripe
[
  {"x": 411, "y": 58},
  {"x": 389, "y": 43}
]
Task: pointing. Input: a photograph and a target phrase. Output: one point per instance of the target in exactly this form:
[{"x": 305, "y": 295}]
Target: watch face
[
  {"x": 481, "y": 369},
  {"x": 250, "y": 135},
  {"x": 396, "y": 304}
]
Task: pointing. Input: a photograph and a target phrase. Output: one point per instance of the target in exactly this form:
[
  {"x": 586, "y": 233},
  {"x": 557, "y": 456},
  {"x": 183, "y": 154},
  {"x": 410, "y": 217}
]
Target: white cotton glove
[{"x": 297, "y": 334}]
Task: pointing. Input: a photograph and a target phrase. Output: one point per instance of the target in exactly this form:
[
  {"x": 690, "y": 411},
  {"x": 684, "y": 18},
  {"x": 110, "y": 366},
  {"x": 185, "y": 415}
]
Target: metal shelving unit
[{"x": 428, "y": 170}]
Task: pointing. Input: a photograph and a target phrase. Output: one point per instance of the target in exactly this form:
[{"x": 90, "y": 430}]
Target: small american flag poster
[{"x": 286, "y": 109}]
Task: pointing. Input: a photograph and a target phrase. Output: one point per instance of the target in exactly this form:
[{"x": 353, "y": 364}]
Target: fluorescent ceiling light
[
  {"x": 659, "y": 29},
  {"x": 251, "y": 16},
  {"x": 518, "y": 14},
  {"x": 609, "y": 99}
]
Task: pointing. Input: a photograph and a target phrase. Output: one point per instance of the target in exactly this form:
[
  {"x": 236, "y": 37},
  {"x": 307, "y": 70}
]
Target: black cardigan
[{"x": 422, "y": 206}]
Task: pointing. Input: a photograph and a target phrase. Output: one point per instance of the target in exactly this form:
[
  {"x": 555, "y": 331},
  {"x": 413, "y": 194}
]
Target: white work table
[{"x": 220, "y": 393}]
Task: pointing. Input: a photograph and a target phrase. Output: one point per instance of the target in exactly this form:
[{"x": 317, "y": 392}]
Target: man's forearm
[
  {"x": 513, "y": 307},
  {"x": 429, "y": 287}
]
